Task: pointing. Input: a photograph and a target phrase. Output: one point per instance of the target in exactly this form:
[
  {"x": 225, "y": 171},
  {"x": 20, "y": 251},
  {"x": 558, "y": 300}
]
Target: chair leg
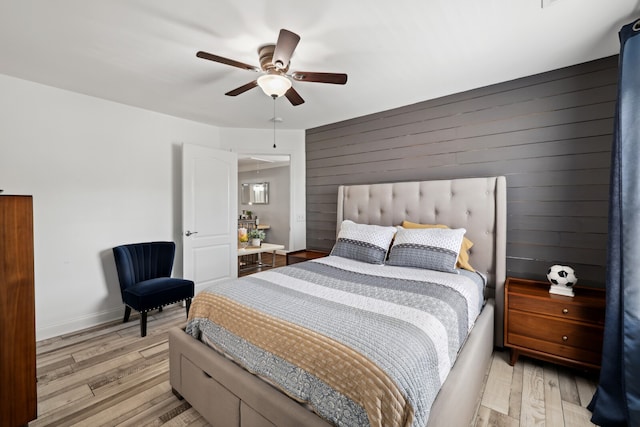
[
  {"x": 188, "y": 304},
  {"x": 127, "y": 313},
  {"x": 143, "y": 324}
]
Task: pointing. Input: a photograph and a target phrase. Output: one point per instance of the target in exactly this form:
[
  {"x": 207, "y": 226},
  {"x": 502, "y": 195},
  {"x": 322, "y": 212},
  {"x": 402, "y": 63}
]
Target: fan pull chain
[{"x": 274, "y": 120}]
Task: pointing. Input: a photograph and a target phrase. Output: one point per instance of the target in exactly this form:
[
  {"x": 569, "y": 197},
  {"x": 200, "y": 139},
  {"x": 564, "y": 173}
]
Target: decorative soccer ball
[{"x": 562, "y": 275}]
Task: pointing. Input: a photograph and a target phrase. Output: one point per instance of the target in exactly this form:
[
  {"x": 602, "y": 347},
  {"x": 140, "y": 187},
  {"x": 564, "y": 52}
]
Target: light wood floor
[
  {"x": 109, "y": 375},
  {"x": 534, "y": 393}
]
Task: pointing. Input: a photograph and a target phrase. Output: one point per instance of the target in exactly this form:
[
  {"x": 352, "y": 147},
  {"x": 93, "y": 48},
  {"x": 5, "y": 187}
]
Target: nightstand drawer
[
  {"x": 556, "y": 331},
  {"x": 555, "y": 352},
  {"x": 556, "y": 307}
]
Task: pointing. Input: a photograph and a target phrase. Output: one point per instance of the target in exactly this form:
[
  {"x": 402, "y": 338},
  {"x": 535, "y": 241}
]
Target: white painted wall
[
  {"x": 260, "y": 142},
  {"x": 101, "y": 174}
]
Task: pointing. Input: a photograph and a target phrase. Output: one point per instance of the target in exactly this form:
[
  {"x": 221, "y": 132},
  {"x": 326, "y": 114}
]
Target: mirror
[{"x": 256, "y": 193}]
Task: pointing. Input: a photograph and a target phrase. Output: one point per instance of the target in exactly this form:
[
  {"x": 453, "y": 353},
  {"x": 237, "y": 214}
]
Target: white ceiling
[
  {"x": 252, "y": 162},
  {"x": 143, "y": 52}
]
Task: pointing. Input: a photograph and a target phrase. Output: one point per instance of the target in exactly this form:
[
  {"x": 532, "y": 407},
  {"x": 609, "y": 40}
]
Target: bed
[{"x": 227, "y": 394}]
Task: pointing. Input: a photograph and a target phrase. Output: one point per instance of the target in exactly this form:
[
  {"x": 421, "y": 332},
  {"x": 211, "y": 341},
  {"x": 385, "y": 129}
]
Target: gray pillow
[
  {"x": 363, "y": 242},
  {"x": 429, "y": 248}
]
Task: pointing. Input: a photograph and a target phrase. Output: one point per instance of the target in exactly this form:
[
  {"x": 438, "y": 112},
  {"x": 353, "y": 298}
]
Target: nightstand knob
[
  {"x": 565, "y": 310},
  {"x": 565, "y": 338}
]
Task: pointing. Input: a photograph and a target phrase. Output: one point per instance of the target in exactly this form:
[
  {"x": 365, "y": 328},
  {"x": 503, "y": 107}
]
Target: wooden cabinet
[
  {"x": 554, "y": 328},
  {"x": 18, "y": 399},
  {"x": 304, "y": 255}
]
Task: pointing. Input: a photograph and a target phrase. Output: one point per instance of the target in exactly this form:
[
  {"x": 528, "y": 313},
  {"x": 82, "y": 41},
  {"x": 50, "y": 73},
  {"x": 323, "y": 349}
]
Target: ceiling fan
[{"x": 275, "y": 80}]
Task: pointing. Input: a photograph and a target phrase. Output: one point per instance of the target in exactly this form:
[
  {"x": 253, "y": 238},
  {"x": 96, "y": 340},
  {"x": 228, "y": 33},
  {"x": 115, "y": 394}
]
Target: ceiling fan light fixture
[
  {"x": 274, "y": 84},
  {"x": 274, "y": 63}
]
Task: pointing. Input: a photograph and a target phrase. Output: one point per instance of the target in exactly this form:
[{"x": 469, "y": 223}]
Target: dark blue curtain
[{"x": 617, "y": 398}]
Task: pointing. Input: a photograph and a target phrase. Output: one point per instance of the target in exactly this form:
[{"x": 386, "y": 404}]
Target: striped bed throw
[{"x": 361, "y": 344}]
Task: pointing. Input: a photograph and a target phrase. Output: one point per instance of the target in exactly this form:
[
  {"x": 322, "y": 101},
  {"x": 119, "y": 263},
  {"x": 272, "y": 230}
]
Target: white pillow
[
  {"x": 363, "y": 242},
  {"x": 430, "y": 248}
]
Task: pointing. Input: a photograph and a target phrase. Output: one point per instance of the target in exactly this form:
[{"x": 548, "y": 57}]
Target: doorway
[{"x": 273, "y": 212}]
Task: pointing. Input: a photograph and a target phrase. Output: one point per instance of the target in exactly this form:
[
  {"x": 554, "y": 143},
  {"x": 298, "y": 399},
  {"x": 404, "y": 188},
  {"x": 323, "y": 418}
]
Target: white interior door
[{"x": 209, "y": 214}]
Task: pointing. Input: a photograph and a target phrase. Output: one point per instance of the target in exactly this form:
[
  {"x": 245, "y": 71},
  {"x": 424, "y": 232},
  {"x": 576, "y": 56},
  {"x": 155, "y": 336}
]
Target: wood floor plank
[
  {"x": 84, "y": 408},
  {"x": 53, "y": 361},
  {"x": 199, "y": 422},
  {"x": 126, "y": 379},
  {"x": 190, "y": 418},
  {"x": 552, "y": 399},
  {"x": 498, "y": 386},
  {"x": 117, "y": 373},
  {"x": 76, "y": 378},
  {"x": 59, "y": 369},
  {"x": 101, "y": 348},
  {"x": 515, "y": 397},
  {"x": 132, "y": 347},
  {"x": 127, "y": 408},
  {"x": 501, "y": 420},
  {"x": 586, "y": 388},
  {"x": 568, "y": 388},
  {"x": 482, "y": 417},
  {"x": 63, "y": 399},
  {"x": 155, "y": 349},
  {"x": 532, "y": 412},
  {"x": 490, "y": 418},
  {"x": 576, "y": 415},
  {"x": 81, "y": 337},
  {"x": 102, "y": 353},
  {"x": 158, "y": 414}
]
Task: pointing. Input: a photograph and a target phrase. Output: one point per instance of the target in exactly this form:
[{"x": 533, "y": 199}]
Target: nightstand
[
  {"x": 554, "y": 328},
  {"x": 304, "y": 255}
]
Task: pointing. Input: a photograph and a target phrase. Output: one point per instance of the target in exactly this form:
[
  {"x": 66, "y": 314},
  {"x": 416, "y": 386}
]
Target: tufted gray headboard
[{"x": 476, "y": 204}]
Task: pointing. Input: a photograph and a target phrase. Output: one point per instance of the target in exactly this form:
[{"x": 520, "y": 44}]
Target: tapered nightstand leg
[{"x": 514, "y": 357}]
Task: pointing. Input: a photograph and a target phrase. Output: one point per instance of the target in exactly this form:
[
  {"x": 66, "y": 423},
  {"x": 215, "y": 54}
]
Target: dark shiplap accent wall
[{"x": 550, "y": 134}]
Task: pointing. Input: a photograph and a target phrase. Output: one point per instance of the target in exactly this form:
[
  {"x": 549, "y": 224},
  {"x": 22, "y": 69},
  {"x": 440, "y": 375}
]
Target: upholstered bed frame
[{"x": 229, "y": 396}]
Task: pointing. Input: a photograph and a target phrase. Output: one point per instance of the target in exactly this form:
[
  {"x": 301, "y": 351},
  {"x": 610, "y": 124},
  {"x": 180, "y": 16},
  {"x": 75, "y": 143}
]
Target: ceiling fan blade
[
  {"x": 307, "y": 76},
  {"x": 242, "y": 89},
  {"x": 294, "y": 97},
  {"x": 287, "y": 42},
  {"x": 226, "y": 61}
]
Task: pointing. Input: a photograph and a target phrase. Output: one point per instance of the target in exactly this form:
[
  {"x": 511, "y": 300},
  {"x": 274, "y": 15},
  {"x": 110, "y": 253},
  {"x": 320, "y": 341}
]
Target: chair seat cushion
[{"x": 154, "y": 293}]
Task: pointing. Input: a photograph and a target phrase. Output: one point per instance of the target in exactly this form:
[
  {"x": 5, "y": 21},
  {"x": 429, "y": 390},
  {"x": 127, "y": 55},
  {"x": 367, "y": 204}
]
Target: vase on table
[
  {"x": 243, "y": 238},
  {"x": 255, "y": 242}
]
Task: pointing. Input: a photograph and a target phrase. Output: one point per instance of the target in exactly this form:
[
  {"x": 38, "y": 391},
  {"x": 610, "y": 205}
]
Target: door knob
[{"x": 189, "y": 233}]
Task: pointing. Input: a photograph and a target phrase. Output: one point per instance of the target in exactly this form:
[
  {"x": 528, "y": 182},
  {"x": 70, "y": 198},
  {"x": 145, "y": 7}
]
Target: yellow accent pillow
[{"x": 463, "y": 256}]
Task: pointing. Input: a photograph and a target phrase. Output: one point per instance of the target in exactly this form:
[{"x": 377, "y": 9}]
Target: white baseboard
[{"x": 74, "y": 325}]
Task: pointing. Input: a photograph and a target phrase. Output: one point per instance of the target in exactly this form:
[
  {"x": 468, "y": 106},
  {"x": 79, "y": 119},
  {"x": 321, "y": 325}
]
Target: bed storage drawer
[
  {"x": 251, "y": 418},
  {"x": 201, "y": 388},
  {"x": 220, "y": 405}
]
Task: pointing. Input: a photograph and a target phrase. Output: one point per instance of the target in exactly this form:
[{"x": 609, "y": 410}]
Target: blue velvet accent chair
[{"x": 144, "y": 272}]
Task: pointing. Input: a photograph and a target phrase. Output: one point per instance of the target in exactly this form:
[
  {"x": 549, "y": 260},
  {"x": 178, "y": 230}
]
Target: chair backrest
[{"x": 143, "y": 261}]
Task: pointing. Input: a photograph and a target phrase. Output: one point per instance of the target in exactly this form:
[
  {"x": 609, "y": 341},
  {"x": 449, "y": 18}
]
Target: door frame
[{"x": 289, "y": 142}]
